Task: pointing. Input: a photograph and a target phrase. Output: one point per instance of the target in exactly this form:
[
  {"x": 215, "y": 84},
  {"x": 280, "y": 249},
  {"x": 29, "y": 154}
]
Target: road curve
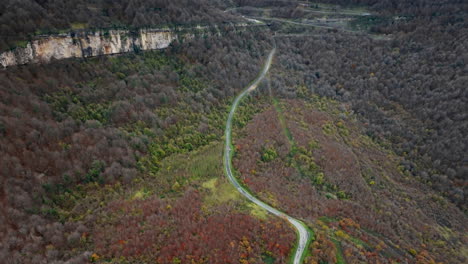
[{"x": 302, "y": 231}]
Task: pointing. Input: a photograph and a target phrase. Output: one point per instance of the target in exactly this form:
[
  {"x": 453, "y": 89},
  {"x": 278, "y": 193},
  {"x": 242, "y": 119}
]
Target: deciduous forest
[{"x": 359, "y": 130}]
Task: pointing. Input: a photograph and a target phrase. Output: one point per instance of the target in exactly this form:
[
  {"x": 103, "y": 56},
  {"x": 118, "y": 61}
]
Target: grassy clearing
[
  {"x": 220, "y": 192},
  {"x": 205, "y": 166},
  {"x": 177, "y": 172},
  {"x": 196, "y": 167},
  {"x": 258, "y": 211}
]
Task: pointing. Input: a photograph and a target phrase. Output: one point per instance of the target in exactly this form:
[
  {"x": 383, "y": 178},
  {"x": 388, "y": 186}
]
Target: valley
[{"x": 213, "y": 131}]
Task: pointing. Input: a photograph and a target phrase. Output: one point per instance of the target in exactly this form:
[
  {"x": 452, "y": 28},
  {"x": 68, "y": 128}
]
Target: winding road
[{"x": 303, "y": 233}]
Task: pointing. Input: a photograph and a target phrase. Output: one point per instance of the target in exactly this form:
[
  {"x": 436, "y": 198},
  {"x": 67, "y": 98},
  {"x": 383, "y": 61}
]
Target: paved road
[
  {"x": 307, "y": 24},
  {"x": 330, "y": 12},
  {"x": 303, "y": 233},
  {"x": 340, "y": 13}
]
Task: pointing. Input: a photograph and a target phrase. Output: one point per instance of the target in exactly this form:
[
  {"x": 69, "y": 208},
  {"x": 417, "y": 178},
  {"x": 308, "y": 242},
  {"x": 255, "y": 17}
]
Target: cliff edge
[{"x": 87, "y": 44}]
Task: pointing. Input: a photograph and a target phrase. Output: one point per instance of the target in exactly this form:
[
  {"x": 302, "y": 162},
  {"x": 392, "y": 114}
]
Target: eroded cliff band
[{"x": 43, "y": 49}]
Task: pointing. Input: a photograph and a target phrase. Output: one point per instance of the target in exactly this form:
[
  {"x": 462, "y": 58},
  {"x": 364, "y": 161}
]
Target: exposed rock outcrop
[{"x": 44, "y": 49}]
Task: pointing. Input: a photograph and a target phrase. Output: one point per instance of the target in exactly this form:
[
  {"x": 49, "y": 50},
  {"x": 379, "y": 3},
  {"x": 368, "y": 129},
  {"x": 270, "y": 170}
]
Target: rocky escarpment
[{"x": 87, "y": 44}]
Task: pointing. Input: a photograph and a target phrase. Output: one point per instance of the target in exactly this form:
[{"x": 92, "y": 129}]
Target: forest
[
  {"x": 411, "y": 91},
  {"x": 22, "y": 19},
  {"x": 104, "y": 121},
  {"x": 118, "y": 159}
]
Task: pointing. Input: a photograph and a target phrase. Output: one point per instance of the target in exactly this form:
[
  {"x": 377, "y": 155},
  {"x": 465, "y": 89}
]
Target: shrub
[
  {"x": 269, "y": 154},
  {"x": 94, "y": 173}
]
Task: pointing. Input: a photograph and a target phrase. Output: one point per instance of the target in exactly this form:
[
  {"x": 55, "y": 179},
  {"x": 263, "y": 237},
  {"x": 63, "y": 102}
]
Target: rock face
[
  {"x": 111, "y": 42},
  {"x": 90, "y": 44},
  {"x": 56, "y": 47},
  {"x": 150, "y": 39}
]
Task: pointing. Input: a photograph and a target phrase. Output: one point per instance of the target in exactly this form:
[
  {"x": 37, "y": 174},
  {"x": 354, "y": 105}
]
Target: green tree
[{"x": 269, "y": 154}]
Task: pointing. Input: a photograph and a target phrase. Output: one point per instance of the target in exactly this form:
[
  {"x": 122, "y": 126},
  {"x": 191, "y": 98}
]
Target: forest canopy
[
  {"x": 361, "y": 134},
  {"x": 20, "y": 19}
]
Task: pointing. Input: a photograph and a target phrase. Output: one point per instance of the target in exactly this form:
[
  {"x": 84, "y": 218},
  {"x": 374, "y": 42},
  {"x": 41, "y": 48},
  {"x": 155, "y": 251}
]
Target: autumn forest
[{"x": 358, "y": 130}]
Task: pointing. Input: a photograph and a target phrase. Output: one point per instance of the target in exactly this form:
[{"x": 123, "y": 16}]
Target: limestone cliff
[{"x": 87, "y": 44}]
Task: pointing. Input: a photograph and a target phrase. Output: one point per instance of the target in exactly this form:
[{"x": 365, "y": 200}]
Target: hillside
[
  {"x": 21, "y": 19},
  {"x": 310, "y": 158},
  {"x": 358, "y": 131},
  {"x": 105, "y": 121}
]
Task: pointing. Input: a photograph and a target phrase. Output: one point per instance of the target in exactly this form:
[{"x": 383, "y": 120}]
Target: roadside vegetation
[
  {"x": 118, "y": 159},
  {"x": 124, "y": 145},
  {"x": 193, "y": 206},
  {"x": 327, "y": 172}
]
